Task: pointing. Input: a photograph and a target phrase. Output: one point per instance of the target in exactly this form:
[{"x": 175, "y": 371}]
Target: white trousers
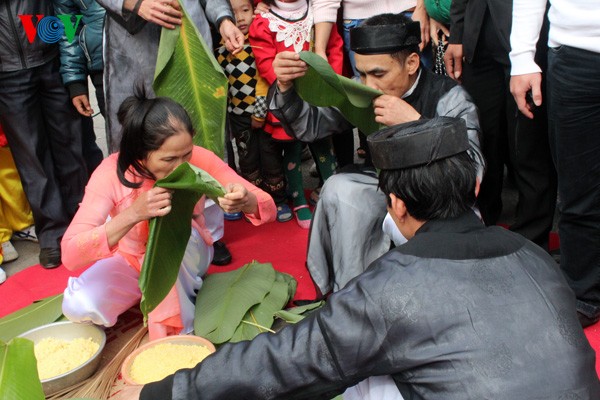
[{"x": 110, "y": 287}]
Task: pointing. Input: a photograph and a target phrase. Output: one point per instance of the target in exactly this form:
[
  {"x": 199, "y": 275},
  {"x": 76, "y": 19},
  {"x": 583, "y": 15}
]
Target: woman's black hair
[
  {"x": 146, "y": 124},
  {"x": 442, "y": 189}
]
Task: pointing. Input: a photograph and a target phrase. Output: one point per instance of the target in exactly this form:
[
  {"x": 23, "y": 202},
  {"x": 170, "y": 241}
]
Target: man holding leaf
[
  {"x": 346, "y": 233},
  {"x": 460, "y": 311}
]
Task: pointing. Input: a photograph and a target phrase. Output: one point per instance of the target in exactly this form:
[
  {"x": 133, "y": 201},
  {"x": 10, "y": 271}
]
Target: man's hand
[
  {"x": 82, "y": 105},
  {"x": 520, "y": 85},
  {"x": 434, "y": 28},
  {"x": 232, "y": 36},
  {"x": 166, "y": 13},
  {"x": 420, "y": 14},
  {"x": 453, "y": 60},
  {"x": 392, "y": 110},
  {"x": 288, "y": 66}
]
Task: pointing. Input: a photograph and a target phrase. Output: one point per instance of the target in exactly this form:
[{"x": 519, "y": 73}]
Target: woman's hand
[
  {"x": 237, "y": 198},
  {"x": 156, "y": 202}
]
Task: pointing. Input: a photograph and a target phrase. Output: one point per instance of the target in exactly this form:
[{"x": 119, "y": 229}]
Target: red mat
[{"x": 282, "y": 244}]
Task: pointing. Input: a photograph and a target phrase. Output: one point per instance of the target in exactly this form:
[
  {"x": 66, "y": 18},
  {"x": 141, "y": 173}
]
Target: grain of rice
[
  {"x": 57, "y": 356},
  {"x": 164, "y": 359}
]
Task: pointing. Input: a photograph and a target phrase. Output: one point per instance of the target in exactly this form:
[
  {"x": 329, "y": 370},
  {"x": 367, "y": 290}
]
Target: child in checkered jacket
[{"x": 247, "y": 109}]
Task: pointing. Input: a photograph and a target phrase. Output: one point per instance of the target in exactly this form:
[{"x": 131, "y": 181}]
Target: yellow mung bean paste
[
  {"x": 57, "y": 356},
  {"x": 164, "y": 359}
]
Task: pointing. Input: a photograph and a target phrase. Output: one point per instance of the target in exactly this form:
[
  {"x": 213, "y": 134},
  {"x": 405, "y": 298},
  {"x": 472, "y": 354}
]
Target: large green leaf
[
  {"x": 297, "y": 314},
  {"x": 187, "y": 72},
  {"x": 226, "y": 297},
  {"x": 260, "y": 317},
  {"x": 169, "y": 235},
  {"x": 19, "y": 377},
  {"x": 322, "y": 87},
  {"x": 37, "y": 314}
]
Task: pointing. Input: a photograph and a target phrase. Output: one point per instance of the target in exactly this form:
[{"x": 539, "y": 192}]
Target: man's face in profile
[{"x": 385, "y": 73}]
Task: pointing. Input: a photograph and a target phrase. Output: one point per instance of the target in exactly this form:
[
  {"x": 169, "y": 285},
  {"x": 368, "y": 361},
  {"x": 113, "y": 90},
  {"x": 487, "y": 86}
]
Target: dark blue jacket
[{"x": 83, "y": 55}]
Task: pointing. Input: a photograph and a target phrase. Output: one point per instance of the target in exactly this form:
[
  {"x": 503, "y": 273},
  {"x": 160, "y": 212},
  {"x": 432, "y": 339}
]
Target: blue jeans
[{"x": 574, "y": 128}]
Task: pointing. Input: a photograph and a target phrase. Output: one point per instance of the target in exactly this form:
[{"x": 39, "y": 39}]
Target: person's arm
[
  {"x": 263, "y": 47},
  {"x": 420, "y": 15},
  {"x": 453, "y": 58},
  {"x": 336, "y": 347},
  {"x": 457, "y": 103},
  {"x": 335, "y": 52},
  {"x": 527, "y": 20},
  {"x": 90, "y": 236},
  {"x": 73, "y": 63},
  {"x": 219, "y": 13},
  {"x": 325, "y": 16},
  {"x": 260, "y": 105},
  {"x": 166, "y": 13},
  {"x": 302, "y": 120}
]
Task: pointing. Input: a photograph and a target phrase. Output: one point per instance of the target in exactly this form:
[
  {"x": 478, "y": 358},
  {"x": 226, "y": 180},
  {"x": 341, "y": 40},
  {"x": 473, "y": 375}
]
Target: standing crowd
[{"x": 426, "y": 297}]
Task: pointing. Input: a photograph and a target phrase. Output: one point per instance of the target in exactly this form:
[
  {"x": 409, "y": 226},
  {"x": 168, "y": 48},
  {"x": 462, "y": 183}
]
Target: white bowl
[{"x": 69, "y": 331}]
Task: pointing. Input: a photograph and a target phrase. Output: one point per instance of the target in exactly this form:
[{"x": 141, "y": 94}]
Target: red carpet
[{"x": 282, "y": 244}]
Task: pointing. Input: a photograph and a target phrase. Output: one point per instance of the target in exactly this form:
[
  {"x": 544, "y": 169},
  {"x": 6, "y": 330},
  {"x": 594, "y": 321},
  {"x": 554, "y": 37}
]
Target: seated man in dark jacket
[
  {"x": 346, "y": 233},
  {"x": 460, "y": 311}
]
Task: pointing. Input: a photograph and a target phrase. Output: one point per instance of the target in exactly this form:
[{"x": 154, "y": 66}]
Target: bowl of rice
[
  {"x": 66, "y": 353},
  {"x": 160, "y": 358}
]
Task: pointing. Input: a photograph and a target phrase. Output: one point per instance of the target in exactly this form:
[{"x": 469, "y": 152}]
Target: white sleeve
[
  {"x": 527, "y": 19},
  {"x": 325, "y": 10}
]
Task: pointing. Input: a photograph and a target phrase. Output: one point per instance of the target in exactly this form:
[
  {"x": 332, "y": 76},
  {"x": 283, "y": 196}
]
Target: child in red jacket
[{"x": 288, "y": 26}]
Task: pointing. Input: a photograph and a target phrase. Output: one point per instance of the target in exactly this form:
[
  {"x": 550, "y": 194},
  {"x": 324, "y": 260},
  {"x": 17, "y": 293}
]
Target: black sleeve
[
  {"x": 160, "y": 390},
  {"x": 457, "y": 21}
]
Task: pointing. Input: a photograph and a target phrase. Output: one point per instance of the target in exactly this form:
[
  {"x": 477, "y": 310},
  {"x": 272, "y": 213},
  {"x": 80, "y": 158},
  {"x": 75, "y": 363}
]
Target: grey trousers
[{"x": 346, "y": 232}]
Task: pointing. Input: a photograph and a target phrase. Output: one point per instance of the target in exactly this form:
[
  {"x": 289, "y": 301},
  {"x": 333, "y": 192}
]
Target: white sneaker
[
  {"x": 26, "y": 234},
  {"x": 9, "y": 251},
  {"x": 2, "y": 276}
]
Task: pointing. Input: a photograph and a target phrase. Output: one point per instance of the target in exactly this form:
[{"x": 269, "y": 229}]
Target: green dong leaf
[
  {"x": 19, "y": 377},
  {"x": 261, "y": 315},
  {"x": 322, "y": 87},
  {"x": 226, "y": 297},
  {"x": 187, "y": 72},
  {"x": 169, "y": 235},
  {"x": 37, "y": 314}
]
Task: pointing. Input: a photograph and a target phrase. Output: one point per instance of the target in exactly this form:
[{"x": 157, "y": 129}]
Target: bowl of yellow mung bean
[
  {"x": 160, "y": 358},
  {"x": 66, "y": 353}
]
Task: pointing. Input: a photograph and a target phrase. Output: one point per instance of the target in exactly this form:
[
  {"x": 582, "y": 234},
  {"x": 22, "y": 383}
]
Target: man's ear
[
  {"x": 477, "y": 187},
  {"x": 412, "y": 62},
  {"x": 397, "y": 208}
]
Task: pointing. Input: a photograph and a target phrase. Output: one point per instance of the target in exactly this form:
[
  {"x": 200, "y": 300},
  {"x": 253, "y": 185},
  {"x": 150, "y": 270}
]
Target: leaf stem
[{"x": 258, "y": 326}]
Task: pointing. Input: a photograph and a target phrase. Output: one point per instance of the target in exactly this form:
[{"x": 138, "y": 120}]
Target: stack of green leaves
[
  {"x": 238, "y": 305},
  {"x": 169, "y": 235}
]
